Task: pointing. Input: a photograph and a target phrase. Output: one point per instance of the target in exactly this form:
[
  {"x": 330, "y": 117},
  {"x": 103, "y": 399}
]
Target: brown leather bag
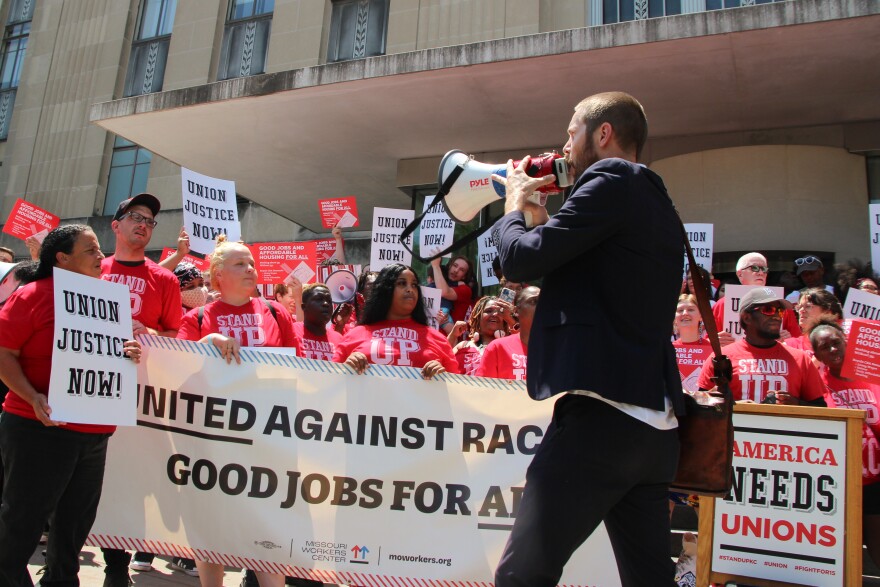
[{"x": 705, "y": 463}]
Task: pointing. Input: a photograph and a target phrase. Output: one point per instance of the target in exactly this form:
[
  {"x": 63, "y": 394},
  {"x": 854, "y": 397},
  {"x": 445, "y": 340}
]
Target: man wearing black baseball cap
[
  {"x": 155, "y": 309},
  {"x": 764, "y": 370},
  {"x": 811, "y": 270}
]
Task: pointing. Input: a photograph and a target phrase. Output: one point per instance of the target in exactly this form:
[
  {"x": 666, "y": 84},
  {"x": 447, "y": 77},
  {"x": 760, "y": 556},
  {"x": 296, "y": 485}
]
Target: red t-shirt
[
  {"x": 789, "y": 319},
  {"x": 504, "y": 358},
  {"x": 468, "y": 357},
  {"x": 251, "y": 324},
  {"x": 155, "y": 292},
  {"x": 461, "y": 304},
  {"x": 316, "y": 347},
  {"x": 757, "y": 370},
  {"x": 403, "y": 343},
  {"x": 801, "y": 343},
  {"x": 690, "y": 357},
  {"x": 27, "y": 324},
  {"x": 858, "y": 395}
]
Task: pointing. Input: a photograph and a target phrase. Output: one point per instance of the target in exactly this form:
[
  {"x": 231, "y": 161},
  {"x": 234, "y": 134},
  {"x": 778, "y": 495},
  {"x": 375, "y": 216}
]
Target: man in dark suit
[{"x": 611, "y": 449}]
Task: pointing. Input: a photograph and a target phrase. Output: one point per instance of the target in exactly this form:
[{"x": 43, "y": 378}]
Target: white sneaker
[
  {"x": 141, "y": 566},
  {"x": 185, "y": 565}
]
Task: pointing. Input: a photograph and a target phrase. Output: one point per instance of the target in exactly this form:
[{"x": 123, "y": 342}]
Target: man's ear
[{"x": 606, "y": 133}]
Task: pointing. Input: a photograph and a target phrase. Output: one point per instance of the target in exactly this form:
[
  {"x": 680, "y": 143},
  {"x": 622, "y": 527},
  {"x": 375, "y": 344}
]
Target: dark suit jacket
[{"x": 612, "y": 261}]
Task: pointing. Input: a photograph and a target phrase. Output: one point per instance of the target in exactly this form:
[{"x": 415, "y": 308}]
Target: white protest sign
[
  {"x": 91, "y": 380},
  {"x": 785, "y": 517},
  {"x": 701, "y": 237},
  {"x": 874, "y": 223},
  {"x": 386, "y": 247},
  {"x": 208, "y": 210},
  {"x": 487, "y": 251},
  {"x": 732, "y": 296},
  {"x": 436, "y": 231},
  {"x": 431, "y": 298},
  {"x": 375, "y": 479},
  {"x": 861, "y": 305}
]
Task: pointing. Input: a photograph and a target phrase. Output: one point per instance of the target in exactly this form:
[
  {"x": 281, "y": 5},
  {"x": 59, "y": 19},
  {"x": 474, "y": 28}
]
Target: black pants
[
  {"x": 594, "y": 464},
  {"x": 47, "y": 469}
]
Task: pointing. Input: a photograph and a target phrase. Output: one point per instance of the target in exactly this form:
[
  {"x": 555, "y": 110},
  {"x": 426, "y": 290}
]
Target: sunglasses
[
  {"x": 757, "y": 268},
  {"x": 768, "y": 310},
  {"x": 807, "y": 260}
]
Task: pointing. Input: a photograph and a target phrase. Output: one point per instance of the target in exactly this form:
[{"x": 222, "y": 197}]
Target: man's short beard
[{"x": 766, "y": 333}]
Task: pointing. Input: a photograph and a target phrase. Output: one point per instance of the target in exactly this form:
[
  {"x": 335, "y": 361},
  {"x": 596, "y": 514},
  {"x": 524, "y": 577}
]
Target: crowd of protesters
[
  {"x": 384, "y": 323},
  {"x": 790, "y": 352}
]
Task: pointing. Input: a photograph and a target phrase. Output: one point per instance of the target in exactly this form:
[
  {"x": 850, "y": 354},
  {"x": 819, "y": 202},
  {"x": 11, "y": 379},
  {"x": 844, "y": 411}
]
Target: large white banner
[
  {"x": 298, "y": 466},
  {"x": 92, "y": 382},
  {"x": 386, "y": 247},
  {"x": 208, "y": 209},
  {"x": 732, "y": 296},
  {"x": 785, "y": 517}
]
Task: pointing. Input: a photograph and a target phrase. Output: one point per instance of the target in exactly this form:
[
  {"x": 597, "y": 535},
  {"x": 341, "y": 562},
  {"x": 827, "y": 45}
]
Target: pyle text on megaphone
[{"x": 475, "y": 189}]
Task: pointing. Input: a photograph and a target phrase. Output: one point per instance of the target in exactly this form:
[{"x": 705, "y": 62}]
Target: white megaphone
[
  {"x": 8, "y": 282},
  {"x": 342, "y": 285},
  {"x": 474, "y": 188}
]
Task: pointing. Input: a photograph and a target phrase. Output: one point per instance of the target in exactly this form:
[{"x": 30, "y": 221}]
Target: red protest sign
[
  {"x": 28, "y": 220},
  {"x": 324, "y": 249},
  {"x": 277, "y": 261},
  {"x": 862, "y": 360},
  {"x": 341, "y": 212},
  {"x": 201, "y": 264}
]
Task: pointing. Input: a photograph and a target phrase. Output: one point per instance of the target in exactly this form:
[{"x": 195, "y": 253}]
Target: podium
[{"x": 794, "y": 515}]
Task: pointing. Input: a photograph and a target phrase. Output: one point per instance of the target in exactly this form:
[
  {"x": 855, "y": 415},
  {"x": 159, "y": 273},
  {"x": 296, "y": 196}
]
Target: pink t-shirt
[
  {"x": 859, "y": 395},
  {"x": 155, "y": 292},
  {"x": 251, "y": 324},
  {"x": 690, "y": 357},
  {"x": 758, "y": 370},
  {"x": 403, "y": 343},
  {"x": 27, "y": 324},
  {"x": 504, "y": 358},
  {"x": 316, "y": 347}
]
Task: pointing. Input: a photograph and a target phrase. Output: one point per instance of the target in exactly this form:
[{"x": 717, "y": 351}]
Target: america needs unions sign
[{"x": 301, "y": 467}]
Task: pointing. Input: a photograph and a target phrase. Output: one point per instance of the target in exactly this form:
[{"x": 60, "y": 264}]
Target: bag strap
[
  {"x": 271, "y": 307},
  {"x": 441, "y": 195}
]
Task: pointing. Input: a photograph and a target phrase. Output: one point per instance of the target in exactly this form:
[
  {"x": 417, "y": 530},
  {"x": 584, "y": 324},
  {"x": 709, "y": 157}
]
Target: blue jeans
[{"x": 49, "y": 472}]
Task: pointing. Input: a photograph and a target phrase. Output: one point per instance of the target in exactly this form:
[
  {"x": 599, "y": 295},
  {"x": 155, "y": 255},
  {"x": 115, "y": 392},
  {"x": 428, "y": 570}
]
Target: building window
[
  {"x": 129, "y": 169},
  {"x": 624, "y": 10},
  {"x": 357, "y": 29},
  {"x": 149, "y": 50},
  {"x": 246, "y": 38},
  {"x": 15, "y": 40}
]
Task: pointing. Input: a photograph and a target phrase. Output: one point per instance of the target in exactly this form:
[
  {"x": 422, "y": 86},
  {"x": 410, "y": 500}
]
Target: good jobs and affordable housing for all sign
[{"x": 375, "y": 479}]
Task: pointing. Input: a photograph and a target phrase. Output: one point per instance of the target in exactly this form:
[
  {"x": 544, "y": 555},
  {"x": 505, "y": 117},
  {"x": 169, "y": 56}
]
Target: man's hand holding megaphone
[{"x": 520, "y": 191}]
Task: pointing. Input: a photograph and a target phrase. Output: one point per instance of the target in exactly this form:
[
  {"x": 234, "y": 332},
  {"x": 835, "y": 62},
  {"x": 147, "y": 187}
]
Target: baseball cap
[
  {"x": 808, "y": 263},
  {"x": 759, "y": 296},
  {"x": 148, "y": 200}
]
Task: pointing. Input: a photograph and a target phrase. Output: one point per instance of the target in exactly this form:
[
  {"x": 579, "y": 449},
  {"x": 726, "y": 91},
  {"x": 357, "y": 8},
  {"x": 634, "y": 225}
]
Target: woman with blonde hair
[{"x": 235, "y": 320}]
